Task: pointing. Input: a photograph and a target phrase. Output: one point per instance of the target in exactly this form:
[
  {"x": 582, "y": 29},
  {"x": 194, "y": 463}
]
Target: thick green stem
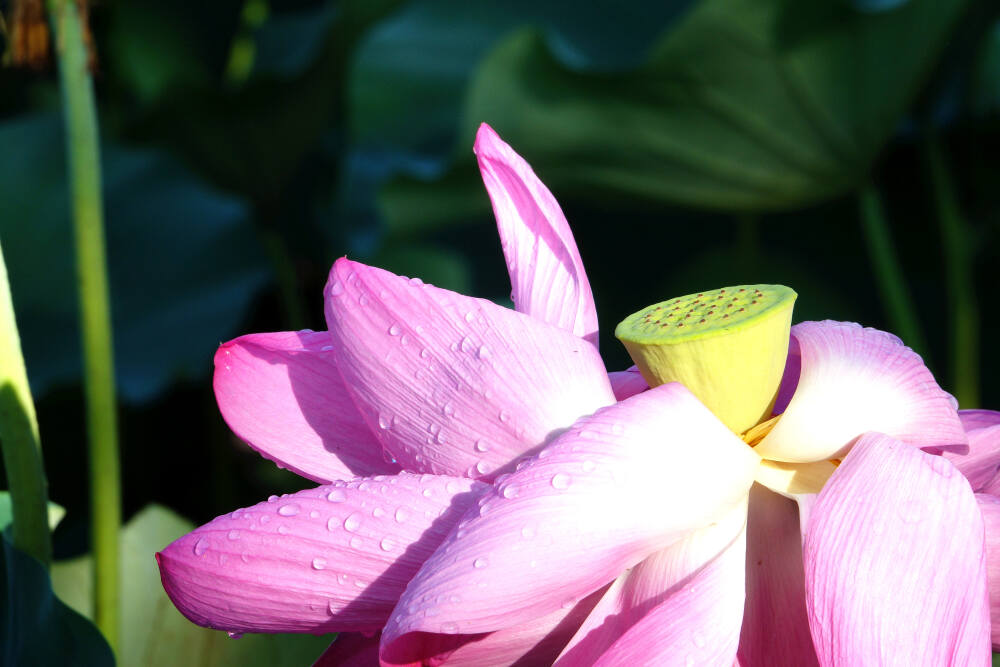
[
  {"x": 22, "y": 450},
  {"x": 888, "y": 271},
  {"x": 963, "y": 309},
  {"x": 88, "y": 220}
]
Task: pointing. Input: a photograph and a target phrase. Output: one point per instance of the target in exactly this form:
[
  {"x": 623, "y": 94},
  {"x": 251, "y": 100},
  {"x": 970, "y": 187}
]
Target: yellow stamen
[{"x": 754, "y": 435}]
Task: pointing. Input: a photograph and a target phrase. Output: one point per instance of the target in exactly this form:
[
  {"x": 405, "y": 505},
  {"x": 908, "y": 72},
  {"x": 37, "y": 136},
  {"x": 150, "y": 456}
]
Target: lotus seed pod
[{"x": 728, "y": 346}]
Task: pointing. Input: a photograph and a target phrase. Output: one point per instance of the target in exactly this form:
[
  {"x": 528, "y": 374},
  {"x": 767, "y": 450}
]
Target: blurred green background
[{"x": 692, "y": 145}]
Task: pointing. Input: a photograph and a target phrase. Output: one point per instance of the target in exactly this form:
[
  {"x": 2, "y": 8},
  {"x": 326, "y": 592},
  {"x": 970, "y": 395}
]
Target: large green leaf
[
  {"x": 36, "y": 628},
  {"x": 154, "y": 633},
  {"x": 743, "y": 105},
  {"x": 182, "y": 258},
  {"x": 55, "y": 512}
]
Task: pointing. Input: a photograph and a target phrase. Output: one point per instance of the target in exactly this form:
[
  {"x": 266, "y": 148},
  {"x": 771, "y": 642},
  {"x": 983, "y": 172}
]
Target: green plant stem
[
  {"x": 962, "y": 305},
  {"x": 22, "y": 449},
  {"x": 888, "y": 272},
  {"x": 88, "y": 221}
]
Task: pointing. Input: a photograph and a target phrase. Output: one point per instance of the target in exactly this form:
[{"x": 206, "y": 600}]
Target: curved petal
[
  {"x": 990, "y": 508},
  {"x": 853, "y": 380},
  {"x": 894, "y": 562},
  {"x": 775, "y": 629},
  {"x": 283, "y": 395},
  {"x": 653, "y": 581},
  {"x": 333, "y": 558},
  {"x": 350, "y": 649},
  {"x": 546, "y": 272},
  {"x": 698, "y": 625},
  {"x": 982, "y": 462},
  {"x": 594, "y": 502},
  {"x": 452, "y": 384},
  {"x": 976, "y": 419},
  {"x": 628, "y": 382}
]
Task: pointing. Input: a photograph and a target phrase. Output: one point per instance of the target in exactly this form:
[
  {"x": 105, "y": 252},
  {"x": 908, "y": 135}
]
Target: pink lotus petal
[
  {"x": 283, "y": 395},
  {"x": 698, "y": 625},
  {"x": 976, "y": 419},
  {"x": 452, "y": 384},
  {"x": 350, "y": 649},
  {"x": 594, "y": 502},
  {"x": 855, "y": 380},
  {"x": 990, "y": 507},
  {"x": 333, "y": 558},
  {"x": 775, "y": 628},
  {"x": 664, "y": 574},
  {"x": 628, "y": 382},
  {"x": 546, "y": 271},
  {"x": 789, "y": 378},
  {"x": 894, "y": 562},
  {"x": 982, "y": 462},
  {"x": 536, "y": 642}
]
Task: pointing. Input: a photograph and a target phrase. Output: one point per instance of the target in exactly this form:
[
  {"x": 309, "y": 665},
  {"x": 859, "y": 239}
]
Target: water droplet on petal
[
  {"x": 200, "y": 546},
  {"x": 426, "y": 493},
  {"x": 482, "y": 467},
  {"x": 352, "y": 522},
  {"x": 288, "y": 510},
  {"x": 483, "y": 352},
  {"x": 394, "y": 330},
  {"x": 469, "y": 316},
  {"x": 314, "y": 514},
  {"x": 319, "y": 563},
  {"x": 234, "y": 535},
  {"x": 245, "y": 557},
  {"x": 416, "y": 281},
  {"x": 378, "y": 512},
  {"x": 383, "y": 422},
  {"x": 336, "y": 496},
  {"x": 510, "y": 491},
  {"x": 448, "y": 409},
  {"x": 481, "y": 446},
  {"x": 336, "y": 288},
  {"x": 561, "y": 480},
  {"x": 387, "y": 544},
  {"x": 504, "y": 416},
  {"x": 234, "y": 635},
  {"x": 467, "y": 345},
  {"x": 359, "y": 584},
  {"x": 402, "y": 514},
  {"x": 272, "y": 498},
  {"x": 480, "y": 563},
  {"x": 282, "y": 530},
  {"x": 264, "y": 518}
]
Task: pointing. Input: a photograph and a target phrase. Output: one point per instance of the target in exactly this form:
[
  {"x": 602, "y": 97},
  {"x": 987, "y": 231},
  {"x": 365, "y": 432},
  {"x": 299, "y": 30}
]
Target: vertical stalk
[
  {"x": 22, "y": 449},
  {"x": 963, "y": 309},
  {"x": 80, "y": 115},
  {"x": 888, "y": 272}
]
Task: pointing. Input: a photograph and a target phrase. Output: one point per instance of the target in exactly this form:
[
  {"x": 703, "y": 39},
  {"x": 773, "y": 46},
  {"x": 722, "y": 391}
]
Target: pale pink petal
[
  {"x": 894, "y": 560},
  {"x": 351, "y": 649},
  {"x": 854, "y": 380},
  {"x": 628, "y": 382},
  {"x": 775, "y": 628},
  {"x": 664, "y": 574},
  {"x": 452, "y": 384},
  {"x": 628, "y": 481},
  {"x": 546, "y": 271},
  {"x": 333, "y": 558},
  {"x": 990, "y": 507},
  {"x": 283, "y": 395},
  {"x": 976, "y": 419},
  {"x": 981, "y": 463},
  {"x": 699, "y": 624}
]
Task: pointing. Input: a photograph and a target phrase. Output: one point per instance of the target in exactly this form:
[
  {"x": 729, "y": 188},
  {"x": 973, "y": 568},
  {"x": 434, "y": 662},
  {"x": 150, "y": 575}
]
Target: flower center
[{"x": 727, "y": 346}]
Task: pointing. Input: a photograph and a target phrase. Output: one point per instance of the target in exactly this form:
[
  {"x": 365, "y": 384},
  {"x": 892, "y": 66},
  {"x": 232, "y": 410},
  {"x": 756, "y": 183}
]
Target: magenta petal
[
  {"x": 350, "y": 649},
  {"x": 546, "y": 271},
  {"x": 894, "y": 562},
  {"x": 981, "y": 463},
  {"x": 452, "y": 384},
  {"x": 628, "y": 382},
  {"x": 699, "y": 624},
  {"x": 333, "y": 558},
  {"x": 775, "y": 629},
  {"x": 652, "y": 582},
  {"x": 616, "y": 487},
  {"x": 990, "y": 507},
  {"x": 853, "y": 380},
  {"x": 283, "y": 395}
]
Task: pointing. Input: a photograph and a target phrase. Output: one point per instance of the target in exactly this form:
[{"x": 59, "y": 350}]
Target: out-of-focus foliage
[{"x": 155, "y": 634}]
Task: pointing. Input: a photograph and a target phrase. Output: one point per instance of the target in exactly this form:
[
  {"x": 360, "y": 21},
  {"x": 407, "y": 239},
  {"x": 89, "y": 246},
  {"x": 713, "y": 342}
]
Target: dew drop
[
  {"x": 561, "y": 480},
  {"x": 378, "y": 512},
  {"x": 272, "y": 498},
  {"x": 359, "y": 584},
  {"x": 282, "y": 530},
  {"x": 319, "y": 563},
  {"x": 481, "y": 446},
  {"x": 416, "y": 281},
  {"x": 426, "y": 493},
  {"x": 394, "y": 330},
  {"x": 326, "y": 348},
  {"x": 510, "y": 491},
  {"x": 483, "y": 352},
  {"x": 200, "y": 546},
  {"x": 363, "y": 300},
  {"x": 264, "y": 518},
  {"x": 352, "y": 522},
  {"x": 448, "y": 409},
  {"x": 467, "y": 345},
  {"x": 482, "y": 467},
  {"x": 336, "y": 496},
  {"x": 504, "y": 416},
  {"x": 387, "y": 544},
  {"x": 288, "y": 510},
  {"x": 384, "y": 422},
  {"x": 314, "y": 514},
  {"x": 234, "y": 635},
  {"x": 469, "y": 316},
  {"x": 424, "y": 353},
  {"x": 480, "y": 563},
  {"x": 402, "y": 514},
  {"x": 234, "y": 535},
  {"x": 245, "y": 557},
  {"x": 336, "y": 288}
]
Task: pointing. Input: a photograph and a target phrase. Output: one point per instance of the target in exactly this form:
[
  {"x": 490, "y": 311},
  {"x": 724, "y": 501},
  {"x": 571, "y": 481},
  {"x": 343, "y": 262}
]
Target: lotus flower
[{"x": 491, "y": 495}]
